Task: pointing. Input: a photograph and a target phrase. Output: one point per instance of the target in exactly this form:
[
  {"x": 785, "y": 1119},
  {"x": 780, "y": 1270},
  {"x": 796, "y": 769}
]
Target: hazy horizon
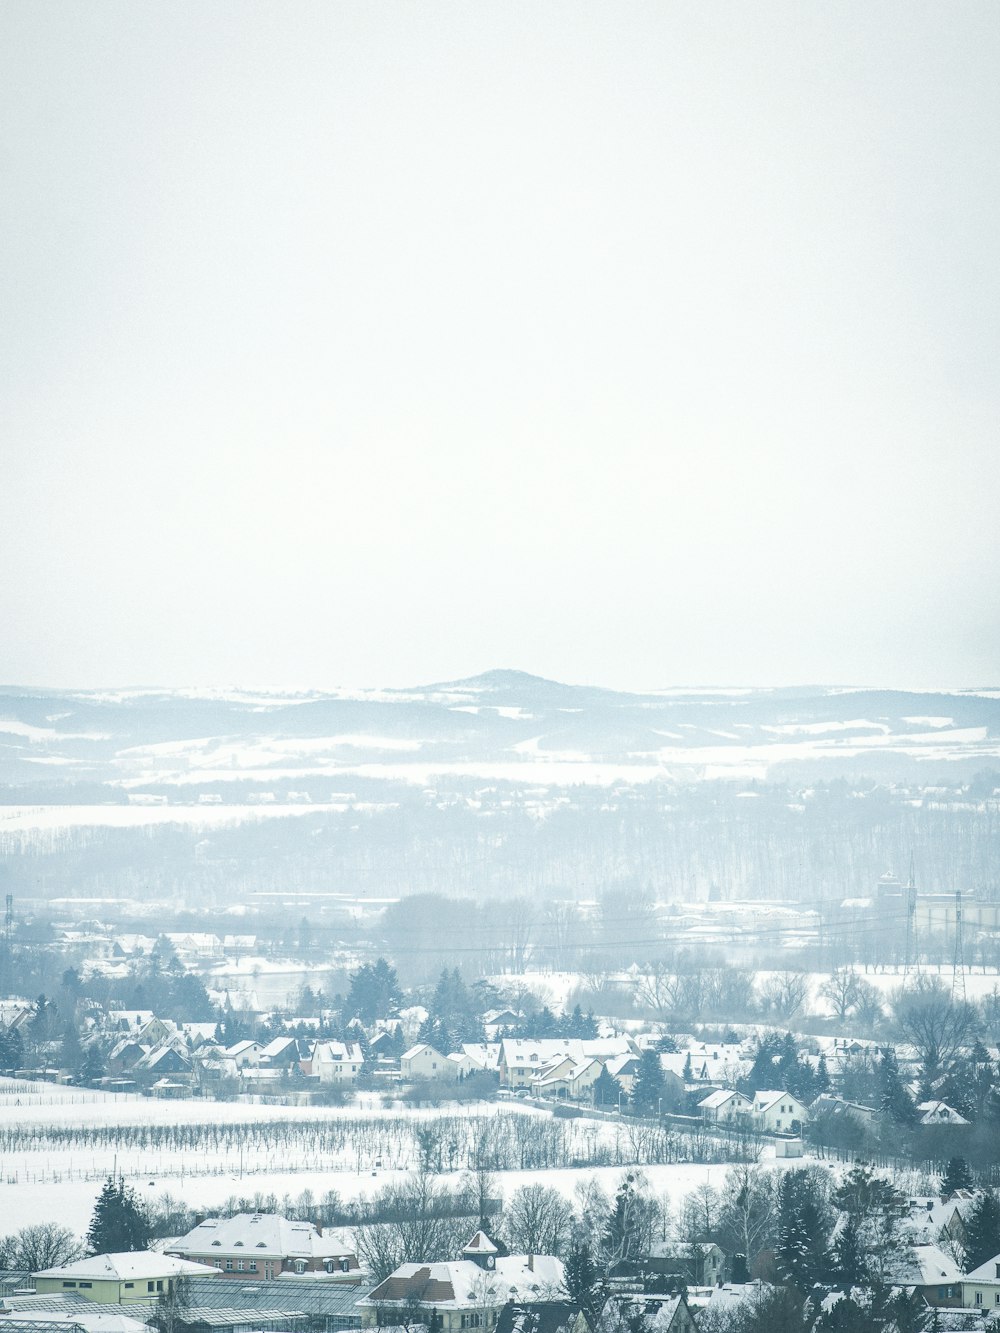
[{"x": 640, "y": 344}]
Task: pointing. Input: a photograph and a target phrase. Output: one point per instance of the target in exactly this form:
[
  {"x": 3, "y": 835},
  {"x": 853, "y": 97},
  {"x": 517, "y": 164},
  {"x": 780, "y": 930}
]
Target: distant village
[{"x": 857, "y": 1126}]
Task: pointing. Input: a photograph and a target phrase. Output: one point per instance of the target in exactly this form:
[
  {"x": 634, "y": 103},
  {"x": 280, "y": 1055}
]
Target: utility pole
[
  {"x": 910, "y": 903},
  {"x": 8, "y": 919},
  {"x": 958, "y": 961}
]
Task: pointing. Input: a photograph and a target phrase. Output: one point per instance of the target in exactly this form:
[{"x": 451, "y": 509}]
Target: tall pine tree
[
  {"x": 982, "y": 1230},
  {"x": 119, "y": 1222}
]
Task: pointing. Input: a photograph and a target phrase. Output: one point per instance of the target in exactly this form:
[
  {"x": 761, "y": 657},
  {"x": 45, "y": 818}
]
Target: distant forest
[{"x": 734, "y": 839}]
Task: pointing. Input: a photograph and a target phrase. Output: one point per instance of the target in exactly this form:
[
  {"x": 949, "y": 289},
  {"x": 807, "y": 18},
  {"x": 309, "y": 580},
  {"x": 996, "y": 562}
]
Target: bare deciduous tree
[
  {"x": 538, "y": 1220},
  {"x": 935, "y": 1024},
  {"x": 45, "y": 1245}
]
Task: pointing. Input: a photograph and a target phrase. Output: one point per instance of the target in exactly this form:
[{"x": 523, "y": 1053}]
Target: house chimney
[{"x": 531, "y": 1263}]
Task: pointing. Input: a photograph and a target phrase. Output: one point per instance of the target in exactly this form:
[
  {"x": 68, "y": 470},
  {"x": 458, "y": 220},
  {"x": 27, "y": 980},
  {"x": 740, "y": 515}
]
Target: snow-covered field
[
  {"x": 72, "y": 1202},
  {"x": 60, "y": 1180}
]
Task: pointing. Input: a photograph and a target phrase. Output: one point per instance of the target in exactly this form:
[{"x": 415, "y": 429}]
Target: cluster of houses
[
  {"x": 257, "y": 1272},
  {"x": 172, "y": 1060}
]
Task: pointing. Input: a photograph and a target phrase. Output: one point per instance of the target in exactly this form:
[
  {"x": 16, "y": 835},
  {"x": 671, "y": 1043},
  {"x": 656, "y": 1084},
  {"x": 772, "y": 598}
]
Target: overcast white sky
[{"x": 379, "y": 343}]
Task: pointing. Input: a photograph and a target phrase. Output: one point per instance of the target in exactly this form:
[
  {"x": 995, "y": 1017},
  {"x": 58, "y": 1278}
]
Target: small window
[
  {"x": 239, "y": 1265},
  {"x": 86, "y": 1284},
  {"x": 129, "y": 1286},
  {"x": 253, "y": 1265},
  {"x": 229, "y": 1265},
  {"x": 979, "y": 1298},
  {"x": 159, "y": 1286},
  {"x": 69, "y": 1284},
  {"x": 150, "y": 1286},
  {"x": 216, "y": 1242}
]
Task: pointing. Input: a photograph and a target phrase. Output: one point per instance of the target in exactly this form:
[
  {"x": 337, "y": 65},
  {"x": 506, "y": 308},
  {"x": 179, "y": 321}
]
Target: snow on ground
[
  {"x": 26, "y": 818},
  {"x": 72, "y": 1203},
  {"x": 62, "y": 1184}
]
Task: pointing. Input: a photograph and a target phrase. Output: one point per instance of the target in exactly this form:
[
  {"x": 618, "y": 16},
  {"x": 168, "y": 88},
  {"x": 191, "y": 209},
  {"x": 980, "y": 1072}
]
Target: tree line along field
[{"x": 511, "y": 1139}]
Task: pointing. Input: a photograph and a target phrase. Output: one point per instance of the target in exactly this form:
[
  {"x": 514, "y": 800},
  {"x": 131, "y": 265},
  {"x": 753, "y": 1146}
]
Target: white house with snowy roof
[
  {"x": 425, "y": 1061},
  {"x": 981, "y": 1287},
  {"x": 778, "y": 1112},
  {"x": 338, "y": 1062},
  {"x": 724, "y": 1104},
  {"x": 138, "y": 1278}
]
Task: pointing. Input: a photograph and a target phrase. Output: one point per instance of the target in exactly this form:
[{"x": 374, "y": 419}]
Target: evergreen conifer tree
[
  {"x": 957, "y": 1176},
  {"x": 647, "y": 1091},
  {"x": 982, "y": 1230},
  {"x": 119, "y": 1222}
]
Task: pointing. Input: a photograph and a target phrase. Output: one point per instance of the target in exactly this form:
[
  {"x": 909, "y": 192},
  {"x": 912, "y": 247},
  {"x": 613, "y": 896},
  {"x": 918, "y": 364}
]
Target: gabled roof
[
  {"x": 719, "y": 1098},
  {"x": 763, "y": 1101},
  {"x": 987, "y": 1272},
  {"x": 421, "y": 1048},
  {"x": 928, "y": 1267},
  {"x": 940, "y": 1113}
]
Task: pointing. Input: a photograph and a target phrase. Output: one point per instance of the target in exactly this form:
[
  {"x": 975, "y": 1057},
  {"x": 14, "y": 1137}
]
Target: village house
[
  {"x": 337, "y": 1062},
  {"x": 522, "y": 1059},
  {"x": 140, "y": 1277},
  {"x": 932, "y": 1274},
  {"x": 827, "y": 1104},
  {"x": 568, "y": 1078},
  {"x": 939, "y": 1113},
  {"x": 467, "y": 1293},
  {"x": 245, "y": 1053},
  {"x": 267, "y": 1245},
  {"x": 981, "y": 1287},
  {"x": 779, "y": 1112},
  {"x": 702, "y": 1262},
  {"x": 725, "y": 1105},
  {"x": 667, "y": 1314},
  {"x": 424, "y": 1061}
]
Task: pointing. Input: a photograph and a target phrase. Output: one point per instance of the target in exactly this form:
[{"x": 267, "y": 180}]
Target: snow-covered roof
[
  {"x": 764, "y": 1100},
  {"x": 987, "y": 1272},
  {"x": 940, "y": 1113},
  {"x": 480, "y": 1244},
  {"x": 338, "y": 1052},
  {"x": 928, "y": 1266},
  {"x": 460, "y": 1283},
  {"x": 91, "y": 1321},
  {"x": 421, "y": 1048},
  {"x": 266, "y": 1234},
  {"x": 719, "y": 1098},
  {"x": 125, "y": 1267}
]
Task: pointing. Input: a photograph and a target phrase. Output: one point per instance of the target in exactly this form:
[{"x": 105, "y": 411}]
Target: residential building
[
  {"x": 779, "y": 1112},
  {"x": 467, "y": 1293},
  {"x": 118, "y": 1279},
  {"x": 337, "y": 1062},
  {"x": 981, "y": 1287},
  {"x": 933, "y": 1274},
  {"x": 702, "y": 1262},
  {"x": 424, "y": 1061},
  {"x": 267, "y": 1245},
  {"x": 725, "y": 1105},
  {"x": 939, "y": 1113},
  {"x": 522, "y": 1059}
]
